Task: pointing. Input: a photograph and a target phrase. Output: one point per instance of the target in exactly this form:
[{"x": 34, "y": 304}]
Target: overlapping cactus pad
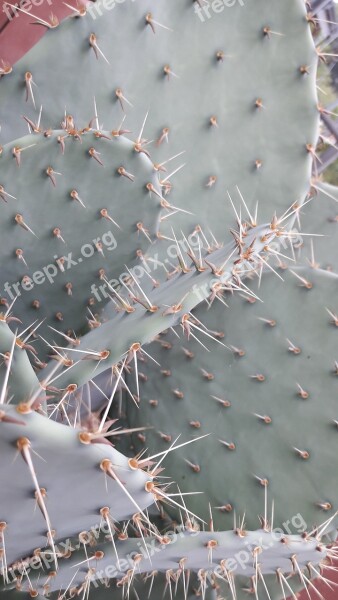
[
  {"x": 267, "y": 397},
  {"x": 76, "y": 209},
  {"x": 168, "y": 330},
  {"x": 55, "y": 481},
  {"x": 212, "y": 555},
  {"x": 137, "y": 318},
  {"x": 235, "y": 90},
  {"x": 17, "y": 377}
]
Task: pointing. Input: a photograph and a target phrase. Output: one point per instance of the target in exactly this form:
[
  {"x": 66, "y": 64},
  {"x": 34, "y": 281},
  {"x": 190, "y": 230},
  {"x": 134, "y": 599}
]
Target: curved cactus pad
[
  {"x": 54, "y": 483},
  {"x": 224, "y": 555},
  {"x": 269, "y": 403},
  {"x": 74, "y": 208},
  {"x": 233, "y": 88},
  {"x": 320, "y": 217},
  {"x": 138, "y": 318},
  {"x": 18, "y": 381}
]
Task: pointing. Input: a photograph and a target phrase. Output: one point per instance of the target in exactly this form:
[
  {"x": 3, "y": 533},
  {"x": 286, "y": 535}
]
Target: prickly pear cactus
[
  {"x": 17, "y": 378},
  {"x": 60, "y": 481},
  {"x": 319, "y": 221},
  {"x": 209, "y": 554},
  {"x": 180, "y": 442},
  {"x": 232, "y": 86},
  {"x": 140, "y": 317},
  {"x": 76, "y": 209},
  {"x": 265, "y": 391}
]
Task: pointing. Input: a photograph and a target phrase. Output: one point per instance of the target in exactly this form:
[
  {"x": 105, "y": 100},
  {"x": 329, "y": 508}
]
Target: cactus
[
  {"x": 60, "y": 232},
  {"x": 169, "y": 303},
  {"x": 68, "y": 476},
  {"x": 253, "y": 556},
  {"x": 88, "y": 199},
  {"x": 235, "y": 89},
  {"x": 18, "y": 380},
  {"x": 320, "y": 218},
  {"x": 267, "y": 399},
  {"x": 147, "y": 589}
]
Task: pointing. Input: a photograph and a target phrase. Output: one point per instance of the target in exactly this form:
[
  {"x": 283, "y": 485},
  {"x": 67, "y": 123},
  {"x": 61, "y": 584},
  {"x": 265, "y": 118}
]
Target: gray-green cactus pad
[
  {"x": 18, "y": 381},
  {"x": 67, "y": 220},
  {"x": 269, "y": 403},
  {"x": 234, "y": 87},
  {"x": 138, "y": 318},
  {"x": 320, "y": 217},
  {"x": 39, "y": 453},
  {"x": 223, "y": 555}
]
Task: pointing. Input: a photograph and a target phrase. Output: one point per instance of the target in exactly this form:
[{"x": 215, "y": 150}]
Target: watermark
[
  {"x": 12, "y": 10},
  {"x": 173, "y": 251},
  {"x": 64, "y": 263},
  {"x": 95, "y": 9},
  {"x": 207, "y": 8},
  {"x": 241, "y": 560},
  {"x": 203, "y": 291},
  {"x": 147, "y": 548}
]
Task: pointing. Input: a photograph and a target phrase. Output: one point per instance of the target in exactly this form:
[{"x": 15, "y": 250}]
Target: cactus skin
[
  {"x": 22, "y": 381},
  {"x": 69, "y": 470},
  {"x": 155, "y": 590},
  {"x": 320, "y": 217},
  {"x": 235, "y": 118},
  {"x": 179, "y": 398},
  {"x": 252, "y": 67},
  {"x": 217, "y": 590},
  {"x": 90, "y": 399},
  {"x": 139, "y": 589},
  {"x": 223, "y": 554},
  {"x": 89, "y": 242},
  {"x": 170, "y": 303}
]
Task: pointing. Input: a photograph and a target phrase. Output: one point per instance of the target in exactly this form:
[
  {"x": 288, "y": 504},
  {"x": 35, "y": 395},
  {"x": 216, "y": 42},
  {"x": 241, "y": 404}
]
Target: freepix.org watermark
[
  {"x": 64, "y": 263},
  {"x": 95, "y": 9},
  {"x": 173, "y": 251},
  {"x": 239, "y": 561},
  {"x": 206, "y": 8},
  {"x": 149, "y": 547},
  {"x": 13, "y": 9},
  {"x": 192, "y": 243}
]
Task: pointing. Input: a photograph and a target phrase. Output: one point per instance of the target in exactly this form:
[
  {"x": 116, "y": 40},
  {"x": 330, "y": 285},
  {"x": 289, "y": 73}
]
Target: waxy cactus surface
[{"x": 168, "y": 323}]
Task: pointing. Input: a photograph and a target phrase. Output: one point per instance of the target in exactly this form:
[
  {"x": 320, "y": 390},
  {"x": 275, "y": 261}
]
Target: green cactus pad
[
  {"x": 269, "y": 403},
  {"x": 67, "y": 220},
  {"x": 223, "y": 555},
  {"x": 235, "y": 87},
  {"x": 75, "y": 478},
  {"x": 138, "y": 318},
  {"x": 320, "y": 217},
  {"x": 18, "y": 381}
]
